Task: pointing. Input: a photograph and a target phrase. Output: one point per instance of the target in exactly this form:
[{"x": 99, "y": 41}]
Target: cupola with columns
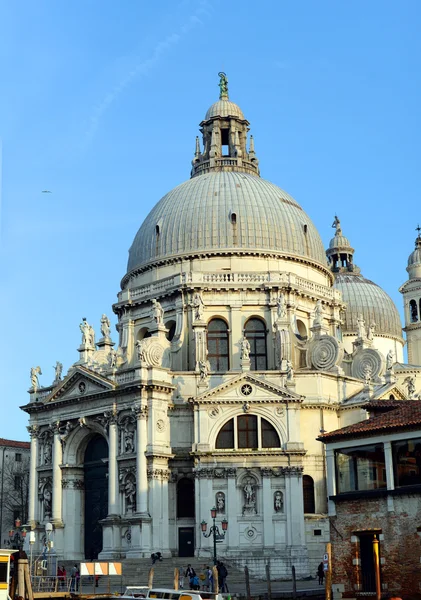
[{"x": 224, "y": 131}]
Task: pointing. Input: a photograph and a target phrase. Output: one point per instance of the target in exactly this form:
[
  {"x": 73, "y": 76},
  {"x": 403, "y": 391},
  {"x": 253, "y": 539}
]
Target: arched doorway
[{"x": 96, "y": 494}]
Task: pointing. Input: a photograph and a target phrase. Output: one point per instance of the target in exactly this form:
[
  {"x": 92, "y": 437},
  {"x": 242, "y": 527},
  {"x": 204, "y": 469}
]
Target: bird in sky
[{"x": 46, "y": 192}]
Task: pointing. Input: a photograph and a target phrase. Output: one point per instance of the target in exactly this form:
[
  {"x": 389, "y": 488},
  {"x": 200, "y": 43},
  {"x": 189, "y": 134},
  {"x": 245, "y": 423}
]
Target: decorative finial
[
  {"x": 418, "y": 229},
  {"x": 337, "y": 225},
  {"x": 197, "y": 150},
  {"x": 223, "y": 85}
]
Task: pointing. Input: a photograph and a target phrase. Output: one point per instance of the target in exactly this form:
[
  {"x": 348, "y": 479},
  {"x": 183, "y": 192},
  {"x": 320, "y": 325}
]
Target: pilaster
[{"x": 33, "y": 475}]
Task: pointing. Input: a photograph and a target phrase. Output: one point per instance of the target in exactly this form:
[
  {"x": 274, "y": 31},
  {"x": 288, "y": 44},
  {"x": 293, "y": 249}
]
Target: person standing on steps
[
  {"x": 190, "y": 574},
  {"x": 181, "y": 577},
  {"x": 222, "y": 577}
]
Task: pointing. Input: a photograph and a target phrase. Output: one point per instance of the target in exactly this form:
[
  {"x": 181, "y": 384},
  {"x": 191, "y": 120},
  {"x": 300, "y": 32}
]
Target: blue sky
[{"x": 100, "y": 102}]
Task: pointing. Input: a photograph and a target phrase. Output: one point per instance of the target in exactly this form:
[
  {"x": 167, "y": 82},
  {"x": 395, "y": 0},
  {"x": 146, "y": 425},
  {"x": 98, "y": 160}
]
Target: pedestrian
[
  {"x": 209, "y": 580},
  {"x": 195, "y": 583},
  {"x": 181, "y": 577},
  {"x": 73, "y": 578},
  {"x": 202, "y": 578},
  {"x": 77, "y": 578},
  {"x": 222, "y": 577},
  {"x": 320, "y": 573},
  {"x": 190, "y": 574}
]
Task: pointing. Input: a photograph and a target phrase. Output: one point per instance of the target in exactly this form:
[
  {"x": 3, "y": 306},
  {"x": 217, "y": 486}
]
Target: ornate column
[
  {"x": 268, "y": 531},
  {"x": 232, "y": 510},
  {"x": 141, "y": 414},
  {"x": 113, "y": 489},
  {"x": 57, "y": 489},
  {"x": 295, "y": 506},
  {"x": 33, "y": 474}
]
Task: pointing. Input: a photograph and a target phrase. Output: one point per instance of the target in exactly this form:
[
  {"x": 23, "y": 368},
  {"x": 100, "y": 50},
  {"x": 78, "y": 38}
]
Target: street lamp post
[
  {"x": 214, "y": 531},
  {"x": 17, "y": 536}
]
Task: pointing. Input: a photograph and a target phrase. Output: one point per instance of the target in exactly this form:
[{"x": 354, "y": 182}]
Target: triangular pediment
[
  {"x": 246, "y": 387},
  {"x": 386, "y": 391},
  {"x": 79, "y": 383}
]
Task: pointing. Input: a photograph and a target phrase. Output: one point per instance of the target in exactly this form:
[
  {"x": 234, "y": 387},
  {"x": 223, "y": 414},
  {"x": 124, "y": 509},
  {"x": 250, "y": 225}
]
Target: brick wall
[{"x": 400, "y": 543}]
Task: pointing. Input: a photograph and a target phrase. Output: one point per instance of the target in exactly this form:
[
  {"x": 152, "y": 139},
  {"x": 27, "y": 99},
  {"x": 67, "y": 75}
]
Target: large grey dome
[
  {"x": 226, "y": 211},
  {"x": 363, "y": 297}
]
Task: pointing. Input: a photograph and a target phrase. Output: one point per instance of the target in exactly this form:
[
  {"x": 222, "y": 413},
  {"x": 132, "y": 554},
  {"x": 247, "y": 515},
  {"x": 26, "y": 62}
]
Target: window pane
[
  {"x": 247, "y": 431},
  {"x": 360, "y": 468},
  {"x": 407, "y": 462},
  {"x": 255, "y": 332},
  {"x": 270, "y": 438},
  {"x": 225, "y": 437},
  {"x": 218, "y": 347},
  {"x": 308, "y": 495}
]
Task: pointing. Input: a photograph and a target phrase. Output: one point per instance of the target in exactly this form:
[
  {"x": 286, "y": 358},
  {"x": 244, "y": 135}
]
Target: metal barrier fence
[{"x": 50, "y": 584}]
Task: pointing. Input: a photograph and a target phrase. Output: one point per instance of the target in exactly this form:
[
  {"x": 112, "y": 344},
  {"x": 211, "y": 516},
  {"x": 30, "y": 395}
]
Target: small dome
[
  {"x": 226, "y": 212},
  {"x": 339, "y": 241},
  {"x": 415, "y": 256},
  {"x": 363, "y": 297},
  {"x": 224, "y": 108}
]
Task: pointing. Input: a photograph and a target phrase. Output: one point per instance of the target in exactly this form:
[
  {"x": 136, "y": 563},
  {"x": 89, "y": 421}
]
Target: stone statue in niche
[
  {"x": 281, "y": 306},
  {"x": 249, "y": 491},
  {"x": 245, "y": 349},
  {"x": 47, "y": 503},
  {"x": 128, "y": 441},
  {"x": 157, "y": 312},
  {"x": 220, "y": 502},
  {"x": 203, "y": 370},
  {"x": 105, "y": 326},
  {"x": 48, "y": 453},
  {"x": 278, "y": 502},
  {"x": 130, "y": 494},
  {"x": 198, "y": 306}
]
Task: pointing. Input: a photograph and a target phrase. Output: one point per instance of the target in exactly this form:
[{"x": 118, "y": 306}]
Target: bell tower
[{"x": 411, "y": 291}]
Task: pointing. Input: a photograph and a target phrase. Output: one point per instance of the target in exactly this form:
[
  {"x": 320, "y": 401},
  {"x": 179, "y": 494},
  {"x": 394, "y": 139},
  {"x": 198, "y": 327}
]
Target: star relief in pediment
[
  {"x": 247, "y": 387},
  {"x": 78, "y": 383}
]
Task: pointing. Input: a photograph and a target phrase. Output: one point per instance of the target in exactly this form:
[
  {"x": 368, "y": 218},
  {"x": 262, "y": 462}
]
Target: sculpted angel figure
[
  {"x": 88, "y": 334},
  {"x": 105, "y": 326},
  {"x": 112, "y": 358},
  {"x": 410, "y": 385}
]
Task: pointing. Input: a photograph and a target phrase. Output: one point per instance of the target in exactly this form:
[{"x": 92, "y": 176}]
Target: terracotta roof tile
[
  {"x": 404, "y": 414},
  {"x": 15, "y": 444}
]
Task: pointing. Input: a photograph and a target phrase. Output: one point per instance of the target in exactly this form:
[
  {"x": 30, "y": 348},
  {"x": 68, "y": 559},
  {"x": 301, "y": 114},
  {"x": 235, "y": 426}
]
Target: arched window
[
  {"x": 170, "y": 330},
  {"x": 225, "y": 437},
  {"x": 246, "y": 434},
  {"x": 255, "y": 332},
  {"x": 247, "y": 431},
  {"x": 308, "y": 495},
  {"x": 413, "y": 311},
  {"x": 185, "y": 498},
  {"x": 218, "y": 347},
  {"x": 270, "y": 438}
]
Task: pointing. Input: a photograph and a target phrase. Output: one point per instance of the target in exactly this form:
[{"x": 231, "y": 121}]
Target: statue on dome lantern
[
  {"x": 337, "y": 225},
  {"x": 223, "y": 85}
]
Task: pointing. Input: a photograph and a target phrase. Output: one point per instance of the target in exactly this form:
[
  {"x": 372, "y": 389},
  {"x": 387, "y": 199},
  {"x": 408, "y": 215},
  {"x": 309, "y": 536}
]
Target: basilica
[{"x": 240, "y": 340}]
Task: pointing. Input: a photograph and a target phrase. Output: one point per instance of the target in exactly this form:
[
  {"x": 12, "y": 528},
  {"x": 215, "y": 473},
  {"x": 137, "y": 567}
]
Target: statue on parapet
[
  {"x": 58, "y": 370},
  {"x": 88, "y": 333},
  {"x": 105, "y": 326},
  {"x": 157, "y": 312},
  {"x": 35, "y": 371}
]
